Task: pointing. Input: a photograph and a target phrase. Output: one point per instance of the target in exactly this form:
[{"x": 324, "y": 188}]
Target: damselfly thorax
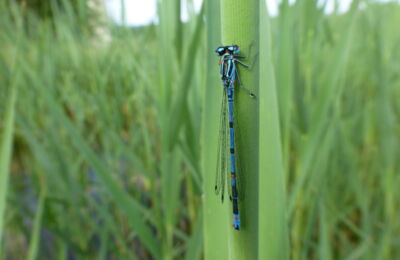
[{"x": 227, "y": 69}]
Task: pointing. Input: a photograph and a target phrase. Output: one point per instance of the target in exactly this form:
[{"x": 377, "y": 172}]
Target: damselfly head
[{"x": 231, "y": 49}]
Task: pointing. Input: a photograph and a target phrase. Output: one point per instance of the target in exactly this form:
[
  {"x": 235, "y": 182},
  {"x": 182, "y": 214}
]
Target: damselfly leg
[{"x": 251, "y": 94}]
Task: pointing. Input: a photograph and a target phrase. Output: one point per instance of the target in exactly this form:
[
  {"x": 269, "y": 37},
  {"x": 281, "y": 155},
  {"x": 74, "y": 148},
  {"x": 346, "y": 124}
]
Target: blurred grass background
[{"x": 106, "y": 140}]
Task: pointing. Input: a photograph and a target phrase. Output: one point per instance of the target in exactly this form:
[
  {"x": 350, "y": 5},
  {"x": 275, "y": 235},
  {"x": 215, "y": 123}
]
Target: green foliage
[
  {"x": 88, "y": 160},
  {"x": 272, "y": 222},
  {"x": 107, "y": 160},
  {"x": 6, "y": 139},
  {"x": 337, "y": 175},
  {"x": 217, "y": 216},
  {"x": 51, "y": 8}
]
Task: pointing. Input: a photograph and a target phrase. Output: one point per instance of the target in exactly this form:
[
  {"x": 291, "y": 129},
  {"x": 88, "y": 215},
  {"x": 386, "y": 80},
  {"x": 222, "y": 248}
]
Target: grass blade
[
  {"x": 37, "y": 224},
  {"x": 240, "y": 25},
  {"x": 273, "y": 233},
  {"x": 5, "y": 153},
  {"x": 214, "y": 213},
  {"x": 127, "y": 204},
  {"x": 195, "y": 244}
]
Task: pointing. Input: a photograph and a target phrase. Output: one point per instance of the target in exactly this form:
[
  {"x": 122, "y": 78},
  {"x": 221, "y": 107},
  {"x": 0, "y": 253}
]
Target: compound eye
[
  {"x": 220, "y": 50},
  {"x": 231, "y": 48}
]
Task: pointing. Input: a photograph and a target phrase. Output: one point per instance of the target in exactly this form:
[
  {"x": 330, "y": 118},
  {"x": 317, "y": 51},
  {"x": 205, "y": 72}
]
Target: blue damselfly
[{"x": 229, "y": 75}]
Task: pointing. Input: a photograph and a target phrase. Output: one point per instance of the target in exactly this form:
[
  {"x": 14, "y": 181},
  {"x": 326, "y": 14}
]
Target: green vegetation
[
  {"x": 6, "y": 151},
  {"x": 113, "y": 142}
]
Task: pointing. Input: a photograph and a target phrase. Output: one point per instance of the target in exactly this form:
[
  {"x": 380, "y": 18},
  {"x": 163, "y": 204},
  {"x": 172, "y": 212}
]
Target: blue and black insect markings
[{"x": 229, "y": 75}]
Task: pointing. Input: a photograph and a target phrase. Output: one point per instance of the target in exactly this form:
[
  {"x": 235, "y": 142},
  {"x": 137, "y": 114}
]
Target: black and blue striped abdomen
[{"x": 236, "y": 216}]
